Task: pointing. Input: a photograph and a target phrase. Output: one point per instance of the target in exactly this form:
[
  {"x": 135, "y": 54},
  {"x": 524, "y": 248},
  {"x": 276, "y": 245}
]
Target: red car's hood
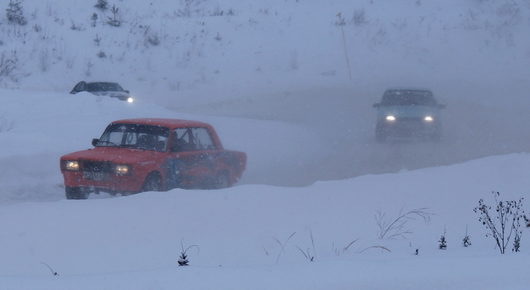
[{"x": 114, "y": 155}]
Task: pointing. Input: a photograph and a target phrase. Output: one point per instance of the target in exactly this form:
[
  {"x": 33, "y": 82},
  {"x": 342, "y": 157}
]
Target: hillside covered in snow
[{"x": 174, "y": 51}]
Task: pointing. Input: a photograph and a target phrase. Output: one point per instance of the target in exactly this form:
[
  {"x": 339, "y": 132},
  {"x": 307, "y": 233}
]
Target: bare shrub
[
  {"x": 183, "y": 257},
  {"x": 97, "y": 40},
  {"x": 466, "y": 241},
  {"x": 44, "y": 60},
  {"x": 503, "y": 221},
  {"x": 359, "y": 17},
  {"x": 442, "y": 243},
  {"x": 102, "y": 5},
  {"x": 8, "y": 64},
  {"x": 88, "y": 69},
  {"x": 340, "y": 251},
  {"x": 76, "y": 27},
  {"x": 398, "y": 227},
  {"x": 151, "y": 38},
  {"x": 340, "y": 21},
  {"x": 190, "y": 8},
  {"x": 309, "y": 253},
  {"x": 115, "y": 19},
  {"x": 94, "y": 19},
  {"x": 282, "y": 246},
  {"x": 15, "y": 13}
]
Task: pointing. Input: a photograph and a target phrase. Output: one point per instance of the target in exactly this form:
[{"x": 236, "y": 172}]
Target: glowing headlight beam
[
  {"x": 72, "y": 165},
  {"x": 121, "y": 169},
  {"x": 428, "y": 119},
  {"x": 390, "y": 118},
  {"x": 130, "y": 100}
]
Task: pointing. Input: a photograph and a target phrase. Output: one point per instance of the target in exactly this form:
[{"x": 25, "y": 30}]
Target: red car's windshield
[{"x": 135, "y": 136}]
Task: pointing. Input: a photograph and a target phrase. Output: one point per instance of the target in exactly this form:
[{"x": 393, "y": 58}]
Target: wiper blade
[{"x": 108, "y": 143}]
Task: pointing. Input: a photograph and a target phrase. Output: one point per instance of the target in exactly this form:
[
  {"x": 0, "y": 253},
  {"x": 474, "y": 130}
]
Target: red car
[{"x": 138, "y": 155}]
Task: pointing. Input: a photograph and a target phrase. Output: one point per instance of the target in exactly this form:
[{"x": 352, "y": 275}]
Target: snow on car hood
[{"x": 114, "y": 154}]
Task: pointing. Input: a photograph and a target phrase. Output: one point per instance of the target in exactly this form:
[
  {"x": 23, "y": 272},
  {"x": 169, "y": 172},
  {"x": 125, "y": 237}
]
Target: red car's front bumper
[{"x": 106, "y": 182}]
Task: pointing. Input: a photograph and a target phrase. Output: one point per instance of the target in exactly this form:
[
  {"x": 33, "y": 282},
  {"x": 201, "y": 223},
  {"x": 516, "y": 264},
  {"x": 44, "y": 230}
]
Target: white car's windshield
[{"x": 408, "y": 98}]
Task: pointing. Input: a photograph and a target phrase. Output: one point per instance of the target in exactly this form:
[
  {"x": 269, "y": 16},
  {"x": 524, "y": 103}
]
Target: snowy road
[{"x": 344, "y": 122}]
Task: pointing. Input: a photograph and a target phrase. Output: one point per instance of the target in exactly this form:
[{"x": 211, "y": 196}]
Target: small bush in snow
[
  {"x": 218, "y": 37},
  {"x": 517, "y": 242},
  {"x": 359, "y": 17},
  {"x": 502, "y": 221},
  {"x": 37, "y": 28},
  {"x": 102, "y": 5},
  {"x": 15, "y": 13},
  {"x": 190, "y": 8},
  {"x": 340, "y": 21},
  {"x": 442, "y": 243},
  {"x": 97, "y": 40},
  {"x": 88, "y": 69},
  {"x": 114, "y": 20},
  {"x": 466, "y": 241},
  {"x": 183, "y": 257},
  {"x": 94, "y": 19},
  {"x": 8, "y": 64},
  {"x": 101, "y": 54},
  {"x": 76, "y": 27}
]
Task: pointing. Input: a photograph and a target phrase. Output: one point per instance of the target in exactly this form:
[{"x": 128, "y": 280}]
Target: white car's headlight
[
  {"x": 390, "y": 118},
  {"x": 130, "y": 100},
  {"x": 121, "y": 169},
  {"x": 72, "y": 165},
  {"x": 428, "y": 119}
]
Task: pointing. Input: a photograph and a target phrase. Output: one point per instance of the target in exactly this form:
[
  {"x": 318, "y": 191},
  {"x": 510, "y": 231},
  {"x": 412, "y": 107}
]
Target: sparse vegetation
[
  {"x": 94, "y": 19},
  {"x": 115, "y": 19},
  {"x": 502, "y": 221},
  {"x": 8, "y": 64},
  {"x": 282, "y": 246},
  {"x": 15, "y": 13},
  {"x": 183, "y": 259},
  {"x": 342, "y": 250},
  {"x": 359, "y": 17},
  {"x": 442, "y": 242},
  {"x": 398, "y": 227},
  {"x": 52, "y": 271},
  {"x": 466, "y": 241},
  {"x": 309, "y": 253},
  {"x": 102, "y": 5}
]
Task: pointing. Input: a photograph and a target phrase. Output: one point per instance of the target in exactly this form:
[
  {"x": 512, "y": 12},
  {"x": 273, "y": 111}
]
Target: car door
[{"x": 192, "y": 161}]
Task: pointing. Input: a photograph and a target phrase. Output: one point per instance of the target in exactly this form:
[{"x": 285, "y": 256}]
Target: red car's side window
[{"x": 192, "y": 139}]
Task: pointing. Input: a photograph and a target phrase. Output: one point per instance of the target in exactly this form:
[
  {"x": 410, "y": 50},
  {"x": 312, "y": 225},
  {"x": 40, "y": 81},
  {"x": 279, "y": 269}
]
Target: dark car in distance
[
  {"x": 408, "y": 113},
  {"x": 113, "y": 90}
]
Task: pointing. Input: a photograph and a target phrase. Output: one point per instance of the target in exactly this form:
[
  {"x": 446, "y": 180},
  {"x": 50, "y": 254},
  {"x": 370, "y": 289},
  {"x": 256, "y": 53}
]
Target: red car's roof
[{"x": 171, "y": 123}]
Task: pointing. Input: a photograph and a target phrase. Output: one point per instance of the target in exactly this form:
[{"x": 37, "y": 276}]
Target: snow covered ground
[
  {"x": 242, "y": 233},
  {"x": 273, "y": 77}
]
